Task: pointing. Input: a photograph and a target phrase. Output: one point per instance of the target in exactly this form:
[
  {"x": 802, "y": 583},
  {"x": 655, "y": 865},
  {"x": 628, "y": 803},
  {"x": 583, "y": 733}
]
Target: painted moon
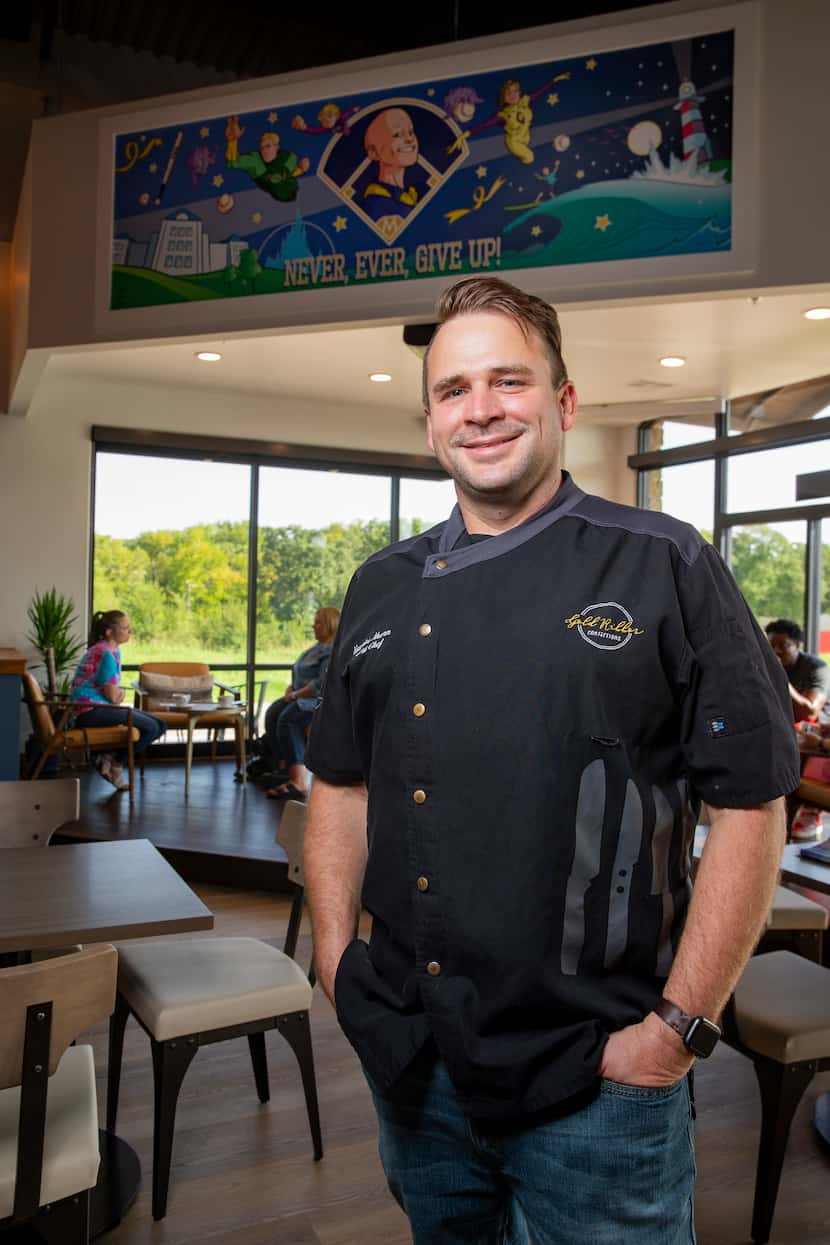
[
  {"x": 562, "y": 142},
  {"x": 224, "y": 204},
  {"x": 644, "y": 137}
]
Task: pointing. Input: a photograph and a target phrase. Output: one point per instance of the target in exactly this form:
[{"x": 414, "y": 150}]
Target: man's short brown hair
[{"x": 477, "y": 294}]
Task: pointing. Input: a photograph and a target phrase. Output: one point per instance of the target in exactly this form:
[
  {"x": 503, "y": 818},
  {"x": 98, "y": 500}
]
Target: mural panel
[{"x": 614, "y": 156}]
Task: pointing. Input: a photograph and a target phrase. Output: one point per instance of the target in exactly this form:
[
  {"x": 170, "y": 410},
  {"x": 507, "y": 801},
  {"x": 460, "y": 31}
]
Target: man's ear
[
  {"x": 429, "y": 429},
  {"x": 568, "y": 405}
]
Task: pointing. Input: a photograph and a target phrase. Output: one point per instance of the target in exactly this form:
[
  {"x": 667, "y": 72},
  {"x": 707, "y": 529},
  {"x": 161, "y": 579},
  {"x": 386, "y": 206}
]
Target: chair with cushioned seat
[
  {"x": 49, "y": 1153},
  {"x": 780, "y": 1017},
  {"x": 56, "y": 736},
  {"x": 187, "y": 993},
  {"x": 158, "y": 681},
  {"x": 30, "y": 813},
  {"x": 795, "y": 923}
]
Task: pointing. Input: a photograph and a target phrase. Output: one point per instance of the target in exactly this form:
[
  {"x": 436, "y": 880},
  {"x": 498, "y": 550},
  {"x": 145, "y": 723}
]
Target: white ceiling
[{"x": 733, "y": 346}]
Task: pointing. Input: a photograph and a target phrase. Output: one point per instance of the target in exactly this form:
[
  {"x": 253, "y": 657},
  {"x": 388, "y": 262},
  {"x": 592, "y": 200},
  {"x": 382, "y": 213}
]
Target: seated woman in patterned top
[{"x": 97, "y": 693}]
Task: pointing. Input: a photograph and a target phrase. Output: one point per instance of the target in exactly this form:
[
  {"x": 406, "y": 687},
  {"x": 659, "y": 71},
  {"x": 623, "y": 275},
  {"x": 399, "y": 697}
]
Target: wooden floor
[
  {"x": 223, "y": 833},
  {"x": 244, "y": 1173}
]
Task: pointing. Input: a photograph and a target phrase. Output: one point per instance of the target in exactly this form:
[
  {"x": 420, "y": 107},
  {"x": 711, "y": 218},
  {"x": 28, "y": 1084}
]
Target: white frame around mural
[{"x": 412, "y": 300}]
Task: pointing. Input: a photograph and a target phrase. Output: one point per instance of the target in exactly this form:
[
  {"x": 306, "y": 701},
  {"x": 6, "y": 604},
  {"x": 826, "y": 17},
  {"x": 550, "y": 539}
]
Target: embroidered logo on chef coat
[
  {"x": 607, "y": 625},
  {"x": 372, "y": 641}
]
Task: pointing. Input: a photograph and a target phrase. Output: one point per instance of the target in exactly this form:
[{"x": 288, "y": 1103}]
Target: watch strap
[{"x": 674, "y": 1017}]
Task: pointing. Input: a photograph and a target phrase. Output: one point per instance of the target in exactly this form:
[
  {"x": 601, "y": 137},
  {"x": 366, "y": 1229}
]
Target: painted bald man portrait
[{"x": 398, "y": 183}]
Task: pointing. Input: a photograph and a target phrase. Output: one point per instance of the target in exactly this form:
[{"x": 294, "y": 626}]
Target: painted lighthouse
[{"x": 697, "y": 149}]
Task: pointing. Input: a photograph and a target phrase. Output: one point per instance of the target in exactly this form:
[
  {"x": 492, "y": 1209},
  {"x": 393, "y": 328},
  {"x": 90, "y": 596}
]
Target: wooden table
[
  {"x": 96, "y": 892},
  {"x": 198, "y": 714},
  {"x": 92, "y": 892},
  {"x": 808, "y": 873}
]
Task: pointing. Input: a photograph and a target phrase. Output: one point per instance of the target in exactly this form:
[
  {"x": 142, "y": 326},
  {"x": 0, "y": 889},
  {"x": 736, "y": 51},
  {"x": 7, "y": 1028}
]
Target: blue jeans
[
  {"x": 285, "y": 726},
  {"x": 618, "y": 1171},
  {"x": 148, "y": 727}
]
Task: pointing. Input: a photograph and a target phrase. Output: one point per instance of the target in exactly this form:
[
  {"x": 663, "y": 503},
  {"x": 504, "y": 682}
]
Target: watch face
[{"x": 702, "y": 1037}]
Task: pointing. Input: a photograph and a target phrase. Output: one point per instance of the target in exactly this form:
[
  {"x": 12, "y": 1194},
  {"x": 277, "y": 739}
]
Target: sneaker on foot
[
  {"x": 806, "y": 823},
  {"x": 103, "y": 763},
  {"x": 116, "y": 776}
]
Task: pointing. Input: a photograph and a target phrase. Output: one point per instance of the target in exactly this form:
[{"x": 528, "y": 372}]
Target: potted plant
[{"x": 53, "y": 621}]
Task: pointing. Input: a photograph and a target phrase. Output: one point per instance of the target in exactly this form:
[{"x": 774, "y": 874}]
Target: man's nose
[{"x": 484, "y": 405}]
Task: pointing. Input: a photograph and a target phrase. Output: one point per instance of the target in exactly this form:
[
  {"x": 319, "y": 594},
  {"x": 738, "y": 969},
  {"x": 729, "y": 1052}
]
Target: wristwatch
[{"x": 700, "y": 1036}]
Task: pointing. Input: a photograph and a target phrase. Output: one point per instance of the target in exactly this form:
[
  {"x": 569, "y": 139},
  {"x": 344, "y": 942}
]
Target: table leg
[
  {"x": 241, "y": 737},
  {"x": 118, "y": 1179},
  {"x": 191, "y": 722}
]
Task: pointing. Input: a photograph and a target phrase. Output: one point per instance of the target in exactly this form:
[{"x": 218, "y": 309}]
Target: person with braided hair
[{"x": 98, "y": 697}]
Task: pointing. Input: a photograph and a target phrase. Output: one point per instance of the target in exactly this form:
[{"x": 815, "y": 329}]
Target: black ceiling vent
[{"x": 418, "y": 336}]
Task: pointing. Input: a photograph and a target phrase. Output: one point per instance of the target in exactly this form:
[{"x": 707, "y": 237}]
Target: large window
[
  {"x": 171, "y": 550},
  {"x": 227, "y": 561},
  {"x": 737, "y": 485}
]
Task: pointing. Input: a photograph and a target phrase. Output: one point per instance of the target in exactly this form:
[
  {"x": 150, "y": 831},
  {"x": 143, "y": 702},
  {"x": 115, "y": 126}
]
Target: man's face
[
  {"x": 785, "y": 649},
  {"x": 464, "y": 111},
  {"x": 391, "y": 139},
  {"x": 495, "y": 421},
  {"x": 268, "y": 149}
]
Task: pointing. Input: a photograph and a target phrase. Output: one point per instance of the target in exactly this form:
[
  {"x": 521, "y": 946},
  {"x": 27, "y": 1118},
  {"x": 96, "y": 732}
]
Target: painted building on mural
[{"x": 181, "y": 246}]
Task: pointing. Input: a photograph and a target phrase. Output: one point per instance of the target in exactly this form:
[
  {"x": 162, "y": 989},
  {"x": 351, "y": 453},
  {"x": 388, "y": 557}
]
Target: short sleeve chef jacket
[{"x": 535, "y": 717}]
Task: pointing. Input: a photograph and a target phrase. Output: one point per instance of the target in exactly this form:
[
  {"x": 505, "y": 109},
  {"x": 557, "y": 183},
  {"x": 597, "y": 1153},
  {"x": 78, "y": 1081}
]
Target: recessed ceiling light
[
  {"x": 208, "y": 356},
  {"x": 672, "y": 360},
  {"x": 380, "y": 377},
  {"x": 817, "y": 313}
]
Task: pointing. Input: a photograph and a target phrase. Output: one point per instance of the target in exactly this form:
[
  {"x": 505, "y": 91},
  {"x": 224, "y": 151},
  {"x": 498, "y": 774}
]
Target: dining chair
[
  {"x": 779, "y": 1016},
  {"x": 187, "y": 993},
  {"x": 54, "y": 734},
  {"x": 31, "y": 812},
  {"x": 158, "y": 681},
  {"x": 49, "y": 1153}
]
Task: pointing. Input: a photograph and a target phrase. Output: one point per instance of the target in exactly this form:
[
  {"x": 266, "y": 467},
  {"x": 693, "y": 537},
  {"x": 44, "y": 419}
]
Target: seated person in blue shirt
[
  {"x": 97, "y": 694},
  {"x": 286, "y": 719}
]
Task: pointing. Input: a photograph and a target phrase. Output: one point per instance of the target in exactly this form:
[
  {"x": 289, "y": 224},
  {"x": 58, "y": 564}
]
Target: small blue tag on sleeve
[{"x": 717, "y": 727}]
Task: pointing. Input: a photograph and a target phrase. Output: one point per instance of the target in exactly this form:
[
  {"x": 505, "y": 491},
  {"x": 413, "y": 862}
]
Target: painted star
[
  {"x": 553, "y": 99},
  {"x": 154, "y": 168},
  {"x": 431, "y": 90},
  {"x": 591, "y": 63},
  {"x": 272, "y": 117},
  {"x": 203, "y": 133},
  {"x": 340, "y": 223},
  {"x": 481, "y": 171},
  {"x": 256, "y": 217},
  {"x": 218, "y": 180},
  {"x": 535, "y": 231},
  {"x": 602, "y": 222},
  {"x": 580, "y": 173}
]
